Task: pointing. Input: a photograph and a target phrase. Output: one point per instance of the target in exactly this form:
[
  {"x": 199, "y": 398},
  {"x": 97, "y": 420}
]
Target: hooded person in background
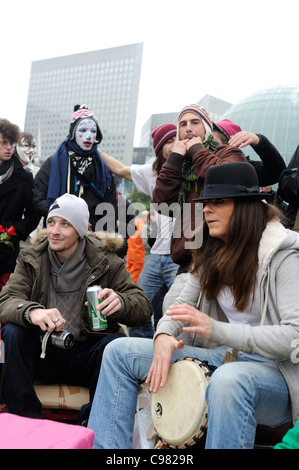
[
  {"x": 78, "y": 168},
  {"x": 47, "y": 292},
  {"x": 26, "y": 150}
]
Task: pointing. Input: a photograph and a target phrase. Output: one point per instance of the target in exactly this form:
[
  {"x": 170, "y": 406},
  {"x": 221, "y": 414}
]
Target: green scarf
[{"x": 188, "y": 173}]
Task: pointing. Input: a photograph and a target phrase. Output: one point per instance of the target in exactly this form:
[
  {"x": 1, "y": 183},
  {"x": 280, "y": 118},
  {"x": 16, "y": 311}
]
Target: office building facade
[
  {"x": 107, "y": 81},
  {"x": 215, "y": 106}
]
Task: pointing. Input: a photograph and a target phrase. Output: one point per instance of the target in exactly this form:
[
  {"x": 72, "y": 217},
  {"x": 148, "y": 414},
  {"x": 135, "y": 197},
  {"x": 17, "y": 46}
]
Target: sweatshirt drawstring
[{"x": 263, "y": 313}]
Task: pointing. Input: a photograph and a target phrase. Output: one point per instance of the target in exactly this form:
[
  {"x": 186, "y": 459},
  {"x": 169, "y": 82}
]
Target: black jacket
[
  {"x": 16, "y": 208},
  {"x": 271, "y": 165},
  {"x": 288, "y": 188},
  {"x": 92, "y": 198}
]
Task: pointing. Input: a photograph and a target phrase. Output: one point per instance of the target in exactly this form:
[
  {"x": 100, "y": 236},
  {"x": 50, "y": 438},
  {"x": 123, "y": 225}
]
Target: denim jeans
[
  {"x": 79, "y": 365},
  {"x": 155, "y": 279},
  {"x": 239, "y": 395}
]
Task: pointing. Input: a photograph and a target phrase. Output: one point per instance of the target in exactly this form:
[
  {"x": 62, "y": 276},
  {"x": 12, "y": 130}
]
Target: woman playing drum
[{"x": 238, "y": 311}]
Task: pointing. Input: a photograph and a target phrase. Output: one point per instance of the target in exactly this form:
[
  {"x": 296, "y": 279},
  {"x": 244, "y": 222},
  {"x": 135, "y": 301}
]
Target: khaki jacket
[{"x": 28, "y": 284}]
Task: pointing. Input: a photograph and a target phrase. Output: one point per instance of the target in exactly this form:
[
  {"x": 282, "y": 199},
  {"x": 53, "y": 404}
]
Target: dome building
[{"x": 273, "y": 112}]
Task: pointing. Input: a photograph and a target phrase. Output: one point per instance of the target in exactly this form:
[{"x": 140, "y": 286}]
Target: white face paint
[
  {"x": 86, "y": 133},
  {"x": 26, "y": 152}
]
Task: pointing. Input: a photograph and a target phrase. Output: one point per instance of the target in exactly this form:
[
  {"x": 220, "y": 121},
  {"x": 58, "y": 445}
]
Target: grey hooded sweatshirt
[{"x": 277, "y": 336}]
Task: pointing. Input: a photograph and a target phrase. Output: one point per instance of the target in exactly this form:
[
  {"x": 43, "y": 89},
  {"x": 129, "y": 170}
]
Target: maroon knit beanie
[{"x": 161, "y": 134}]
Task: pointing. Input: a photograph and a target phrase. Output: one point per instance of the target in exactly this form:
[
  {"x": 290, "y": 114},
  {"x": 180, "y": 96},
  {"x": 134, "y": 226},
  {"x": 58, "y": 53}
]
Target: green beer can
[{"x": 97, "y": 321}]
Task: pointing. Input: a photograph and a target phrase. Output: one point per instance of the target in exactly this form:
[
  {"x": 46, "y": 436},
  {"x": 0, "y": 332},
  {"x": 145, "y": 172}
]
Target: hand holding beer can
[{"x": 97, "y": 320}]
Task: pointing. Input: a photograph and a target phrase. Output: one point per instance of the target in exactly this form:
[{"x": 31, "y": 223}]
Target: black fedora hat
[{"x": 232, "y": 180}]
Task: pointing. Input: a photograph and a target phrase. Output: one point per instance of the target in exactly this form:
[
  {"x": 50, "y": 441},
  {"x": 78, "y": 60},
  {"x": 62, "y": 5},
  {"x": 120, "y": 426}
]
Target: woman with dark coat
[{"x": 17, "y": 214}]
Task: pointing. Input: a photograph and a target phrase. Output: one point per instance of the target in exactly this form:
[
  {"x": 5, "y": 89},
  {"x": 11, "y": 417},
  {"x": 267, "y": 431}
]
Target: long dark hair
[
  {"x": 158, "y": 162},
  {"x": 235, "y": 262}
]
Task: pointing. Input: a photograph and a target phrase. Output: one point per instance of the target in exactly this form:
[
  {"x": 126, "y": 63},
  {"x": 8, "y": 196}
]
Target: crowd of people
[{"x": 209, "y": 272}]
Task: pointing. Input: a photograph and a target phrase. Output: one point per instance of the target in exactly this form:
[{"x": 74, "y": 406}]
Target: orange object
[{"x": 135, "y": 252}]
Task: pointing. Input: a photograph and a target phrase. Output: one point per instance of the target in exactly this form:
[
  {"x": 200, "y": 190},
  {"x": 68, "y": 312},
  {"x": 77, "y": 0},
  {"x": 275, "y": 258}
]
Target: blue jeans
[
  {"x": 239, "y": 395},
  {"x": 155, "y": 279},
  {"x": 79, "y": 365}
]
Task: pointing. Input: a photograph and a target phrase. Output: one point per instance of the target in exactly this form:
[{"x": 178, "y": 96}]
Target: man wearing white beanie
[{"x": 47, "y": 293}]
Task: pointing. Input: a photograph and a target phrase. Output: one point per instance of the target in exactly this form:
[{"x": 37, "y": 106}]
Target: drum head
[{"x": 179, "y": 408}]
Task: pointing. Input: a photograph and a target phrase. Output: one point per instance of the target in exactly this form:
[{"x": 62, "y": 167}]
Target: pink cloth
[{"x": 17, "y": 432}]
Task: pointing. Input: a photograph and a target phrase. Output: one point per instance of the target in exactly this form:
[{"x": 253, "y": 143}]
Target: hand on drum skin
[
  {"x": 48, "y": 319},
  {"x": 164, "y": 347},
  {"x": 243, "y": 138},
  {"x": 201, "y": 321},
  {"x": 111, "y": 302}
]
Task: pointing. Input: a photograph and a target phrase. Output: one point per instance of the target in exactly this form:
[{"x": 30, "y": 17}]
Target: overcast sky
[{"x": 228, "y": 49}]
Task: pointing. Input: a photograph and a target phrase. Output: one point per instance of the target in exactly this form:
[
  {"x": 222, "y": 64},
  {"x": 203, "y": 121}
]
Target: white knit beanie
[{"x": 73, "y": 209}]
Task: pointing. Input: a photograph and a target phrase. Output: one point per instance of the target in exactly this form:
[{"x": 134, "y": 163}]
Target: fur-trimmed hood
[{"x": 109, "y": 242}]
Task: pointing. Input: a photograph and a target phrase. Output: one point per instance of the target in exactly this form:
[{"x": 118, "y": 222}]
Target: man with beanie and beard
[
  {"x": 181, "y": 180},
  {"x": 47, "y": 293},
  {"x": 159, "y": 270},
  {"x": 78, "y": 168}
]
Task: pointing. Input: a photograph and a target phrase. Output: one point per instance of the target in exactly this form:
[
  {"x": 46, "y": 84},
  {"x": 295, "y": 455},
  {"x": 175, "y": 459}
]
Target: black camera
[{"x": 62, "y": 339}]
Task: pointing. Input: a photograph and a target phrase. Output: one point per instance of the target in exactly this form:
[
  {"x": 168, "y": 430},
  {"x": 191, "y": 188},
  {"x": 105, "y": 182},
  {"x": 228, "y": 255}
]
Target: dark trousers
[{"x": 79, "y": 365}]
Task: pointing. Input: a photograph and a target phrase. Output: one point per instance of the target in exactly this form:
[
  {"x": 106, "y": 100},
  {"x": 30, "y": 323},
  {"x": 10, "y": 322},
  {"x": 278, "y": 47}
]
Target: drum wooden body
[{"x": 179, "y": 409}]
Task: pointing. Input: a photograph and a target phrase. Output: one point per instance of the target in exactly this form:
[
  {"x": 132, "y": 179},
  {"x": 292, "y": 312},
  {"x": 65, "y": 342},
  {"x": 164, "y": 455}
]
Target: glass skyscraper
[
  {"x": 273, "y": 112},
  {"x": 107, "y": 81}
]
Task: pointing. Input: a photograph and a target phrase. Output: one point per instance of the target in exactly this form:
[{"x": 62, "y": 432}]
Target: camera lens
[
  {"x": 69, "y": 341},
  {"x": 62, "y": 339}
]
